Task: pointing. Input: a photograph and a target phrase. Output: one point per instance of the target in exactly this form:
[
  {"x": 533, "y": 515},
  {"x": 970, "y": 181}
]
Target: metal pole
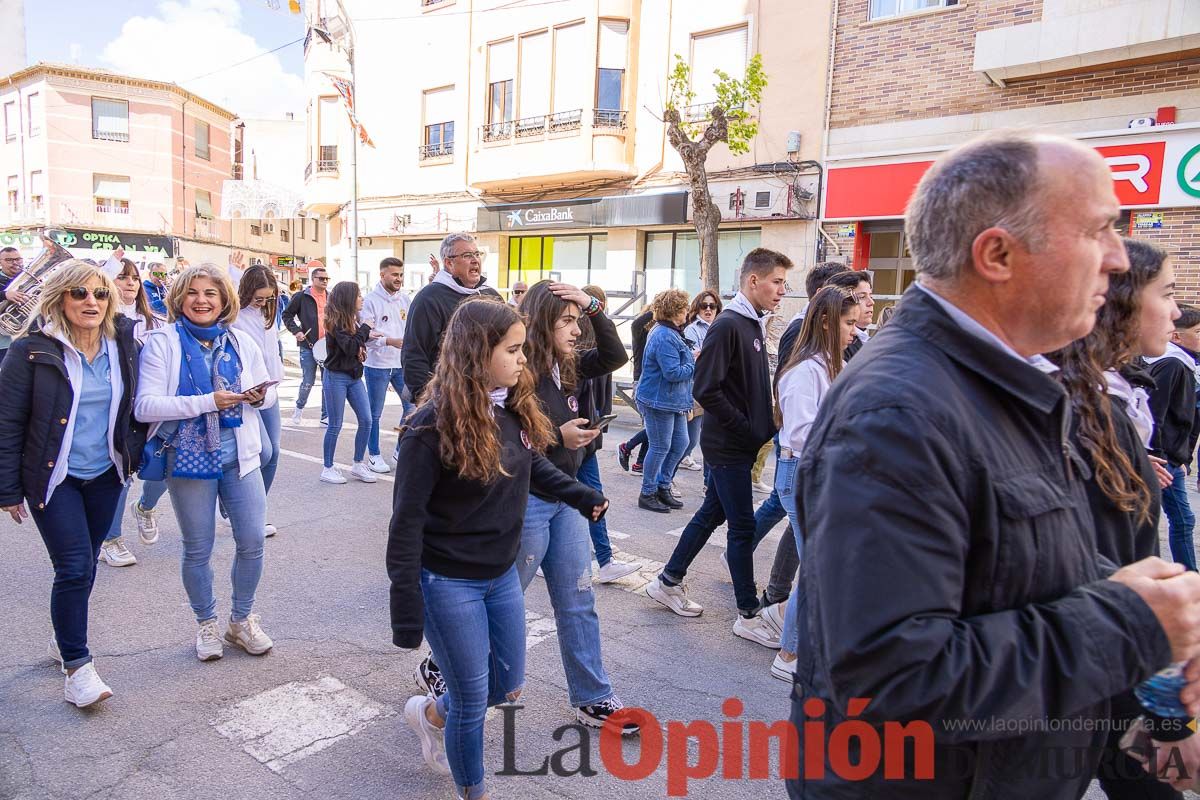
[{"x": 354, "y": 179}]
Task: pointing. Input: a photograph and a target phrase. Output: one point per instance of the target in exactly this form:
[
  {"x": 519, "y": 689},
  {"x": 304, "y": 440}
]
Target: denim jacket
[{"x": 667, "y": 367}]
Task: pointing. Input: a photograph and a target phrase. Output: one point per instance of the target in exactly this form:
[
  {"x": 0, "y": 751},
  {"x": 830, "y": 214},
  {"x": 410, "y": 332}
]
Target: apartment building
[
  {"x": 540, "y": 128},
  {"x": 912, "y": 78}
]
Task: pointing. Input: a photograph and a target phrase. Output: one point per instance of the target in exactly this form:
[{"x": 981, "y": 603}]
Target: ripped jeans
[
  {"x": 555, "y": 538},
  {"x": 476, "y": 629}
]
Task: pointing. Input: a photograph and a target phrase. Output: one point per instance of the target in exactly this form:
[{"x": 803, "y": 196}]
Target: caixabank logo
[{"x": 1188, "y": 172}]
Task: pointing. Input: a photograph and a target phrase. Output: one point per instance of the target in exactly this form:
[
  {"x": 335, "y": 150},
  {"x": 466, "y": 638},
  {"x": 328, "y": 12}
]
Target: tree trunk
[{"x": 706, "y": 215}]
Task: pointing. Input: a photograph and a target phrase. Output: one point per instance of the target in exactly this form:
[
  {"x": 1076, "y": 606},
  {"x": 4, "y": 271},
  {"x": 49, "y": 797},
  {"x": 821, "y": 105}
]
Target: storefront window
[
  {"x": 578, "y": 260},
  {"x": 890, "y": 264},
  {"x": 416, "y": 262},
  {"x": 673, "y": 260}
]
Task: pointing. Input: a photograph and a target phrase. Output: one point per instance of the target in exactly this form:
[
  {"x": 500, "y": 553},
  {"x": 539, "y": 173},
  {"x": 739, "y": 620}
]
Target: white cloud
[{"x": 187, "y": 39}]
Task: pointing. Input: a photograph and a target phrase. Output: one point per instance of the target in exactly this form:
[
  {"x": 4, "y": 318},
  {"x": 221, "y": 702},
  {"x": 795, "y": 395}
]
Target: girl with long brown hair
[
  {"x": 471, "y": 454},
  {"x": 346, "y": 347}
]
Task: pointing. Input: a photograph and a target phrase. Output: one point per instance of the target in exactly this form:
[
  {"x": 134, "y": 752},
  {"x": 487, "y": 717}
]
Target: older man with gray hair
[
  {"x": 461, "y": 277},
  {"x": 953, "y": 585}
]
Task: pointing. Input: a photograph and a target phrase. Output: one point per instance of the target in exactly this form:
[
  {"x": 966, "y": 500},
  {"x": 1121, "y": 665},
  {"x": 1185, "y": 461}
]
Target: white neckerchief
[
  {"x": 1137, "y": 403},
  {"x": 556, "y": 373},
  {"x": 499, "y": 396},
  {"x": 446, "y": 279},
  {"x": 740, "y": 304}
]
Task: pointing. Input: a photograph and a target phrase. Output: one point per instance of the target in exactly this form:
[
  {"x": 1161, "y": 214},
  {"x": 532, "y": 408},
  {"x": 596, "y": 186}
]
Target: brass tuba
[{"x": 31, "y": 278}]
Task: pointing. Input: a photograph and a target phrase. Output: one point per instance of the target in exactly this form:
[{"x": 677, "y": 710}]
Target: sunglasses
[
  {"x": 82, "y": 292},
  {"x": 158, "y": 274},
  {"x": 321, "y": 278},
  {"x": 708, "y": 306}
]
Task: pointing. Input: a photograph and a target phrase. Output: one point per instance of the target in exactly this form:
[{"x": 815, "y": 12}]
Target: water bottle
[{"x": 1160, "y": 693}]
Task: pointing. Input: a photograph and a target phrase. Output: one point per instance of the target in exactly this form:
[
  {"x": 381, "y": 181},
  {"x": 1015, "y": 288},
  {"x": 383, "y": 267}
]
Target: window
[
  {"x": 327, "y": 135},
  {"x": 202, "y": 131},
  {"x": 37, "y": 191},
  {"x": 110, "y": 120},
  {"x": 502, "y": 67},
  {"x": 316, "y": 228},
  {"x": 534, "y": 100},
  {"x": 111, "y": 193},
  {"x": 567, "y": 259},
  {"x": 721, "y": 50},
  {"x": 610, "y": 72},
  {"x": 285, "y": 231},
  {"x": 500, "y": 101},
  {"x": 673, "y": 259},
  {"x": 14, "y": 195},
  {"x": 11, "y": 123},
  {"x": 892, "y": 8},
  {"x": 416, "y": 260},
  {"x": 204, "y": 208},
  {"x": 439, "y": 123},
  {"x": 255, "y": 230},
  {"x": 762, "y": 199},
  {"x": 572, "y": 69},
  {"x": 34, "y": 108}
]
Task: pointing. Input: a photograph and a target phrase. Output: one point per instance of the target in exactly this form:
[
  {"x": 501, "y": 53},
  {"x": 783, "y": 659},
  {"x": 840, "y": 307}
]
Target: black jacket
[
  {"x": 459, "y": 528},
  {"x": 595, "y": 400},
  {"x": 342, "y": 350},
  {"x": 732, "y": 383},
  {"x": 427, "y": 317},
  {"x": 952, "y": 578},
  {"x": 36, "y": 398},
  {"x": 1173, "y": 403},
  {"x": 639, "y": 332},
  {"x": 561, "y": 407},
  {"x": 301, "y": 315}
]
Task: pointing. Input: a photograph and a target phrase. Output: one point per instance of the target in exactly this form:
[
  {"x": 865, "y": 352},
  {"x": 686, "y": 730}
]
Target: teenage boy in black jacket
[
  {"x": 1173, "y": 403},
  {"x": 733, "y": 384}
]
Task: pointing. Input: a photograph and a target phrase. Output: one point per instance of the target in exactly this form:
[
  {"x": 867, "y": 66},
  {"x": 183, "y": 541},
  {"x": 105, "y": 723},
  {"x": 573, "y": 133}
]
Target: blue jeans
[
  {"x": 694, "y": 426},
  {"x": 639, "y": 440},
  {"x": 308, "y": 377},
  {"x": 476, "y": 629},
  {"x": 340, "y": 387},
  {"x": 667, "y": 434},
  {"x": 114, "y": 530},
  {"x": 1180, "y": 519},
  {"x": 797, "y": 607},
  {"x": 195, "y": 503},
  {"x": 555, "y": 538},
  {"x": 589, "y": 475},
  {"x": 152, "y": 492},
  {"x": 377, "y": 386},
  {"x": 72, "y": 526},
  {"x": 269, "y": 431},
  {"x": 727, "y": 496}
]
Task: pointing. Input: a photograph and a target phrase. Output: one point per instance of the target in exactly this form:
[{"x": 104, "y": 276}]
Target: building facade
[
  {"x": 913, "y": 79},
  {"x": 541, "y": 130}
]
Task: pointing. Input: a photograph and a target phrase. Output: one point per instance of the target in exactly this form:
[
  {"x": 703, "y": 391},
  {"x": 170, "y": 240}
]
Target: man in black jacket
[
  {"x": 1173, "y": 404},
  {"x": 305, "y": 317},
  {"x": 461, "y": 277},
  {"x": 732, "y": 383},
  {"x": 953, "y": 582}
]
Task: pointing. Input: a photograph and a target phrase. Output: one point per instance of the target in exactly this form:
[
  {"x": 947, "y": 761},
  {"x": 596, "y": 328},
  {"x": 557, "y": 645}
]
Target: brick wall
[
  {"x": 919, "y": 67},
  {"x": 1180, "y": 235}
]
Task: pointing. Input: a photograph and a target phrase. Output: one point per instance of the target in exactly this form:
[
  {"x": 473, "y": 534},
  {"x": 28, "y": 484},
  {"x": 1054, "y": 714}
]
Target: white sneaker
[
  {"x": 55, "y": 653},
  {"x": 727, "y": 575},
  {"x": 614, "y": 570},
  {"x": 674, "y": 598},
  {"x": 379, "y": 464},
  {"x": 761, "y": 488},
  {"x": 249, "y": 636},
  {"x": 678, "y": 495},
  {"x": 84, "y": 687},
  {"x": 433, "y": 745},
  {"x": 332, "y": 475},
  {"x": 208, "y": 641},
  {"x": 361, "y": 471},
  {"x": 146, "y": 524},
  {"x": 114, "y": 553},
  {"x": 688, "y": 464},
  {"x": 756, "y": 630},
  {"x": 269, "y": 531},
  {"x": 784, "y": 670},
  {"x": 298, "y": 416},
  {"x": 773, "y": 616}
]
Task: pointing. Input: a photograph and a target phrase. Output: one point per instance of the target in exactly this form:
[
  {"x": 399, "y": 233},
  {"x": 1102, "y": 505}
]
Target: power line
[
  {"x": 244, "y": 60},
  {"x": 506, "y": 7}
]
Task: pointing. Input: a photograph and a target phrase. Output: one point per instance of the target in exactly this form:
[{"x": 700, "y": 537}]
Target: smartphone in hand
[{"x": 600, "y": 423}]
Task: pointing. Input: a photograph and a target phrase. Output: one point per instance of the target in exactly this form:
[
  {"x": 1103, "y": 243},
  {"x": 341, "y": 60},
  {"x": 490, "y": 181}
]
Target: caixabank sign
[
  {"x": 668, "y": 208},
  {"x": 1155, "y": 168}
]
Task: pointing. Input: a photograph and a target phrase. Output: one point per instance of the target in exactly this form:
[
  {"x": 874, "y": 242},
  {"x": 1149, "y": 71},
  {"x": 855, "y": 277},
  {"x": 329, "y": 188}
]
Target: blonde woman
[
  {"x": 68, "y": 443},
  {"x": 202, "y": 385}
]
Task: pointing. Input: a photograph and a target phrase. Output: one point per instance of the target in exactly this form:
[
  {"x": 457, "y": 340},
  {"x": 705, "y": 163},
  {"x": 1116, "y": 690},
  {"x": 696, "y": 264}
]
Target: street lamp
[{"x": 340, "y": 30}]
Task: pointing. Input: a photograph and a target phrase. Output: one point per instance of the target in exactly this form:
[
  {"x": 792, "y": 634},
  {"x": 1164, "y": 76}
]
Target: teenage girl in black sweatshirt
[{"x": 470, "y": 455}]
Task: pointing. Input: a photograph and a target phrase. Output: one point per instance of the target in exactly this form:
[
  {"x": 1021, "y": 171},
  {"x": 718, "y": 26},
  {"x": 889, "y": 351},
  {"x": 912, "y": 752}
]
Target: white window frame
[{"x": 915, "y": 7}]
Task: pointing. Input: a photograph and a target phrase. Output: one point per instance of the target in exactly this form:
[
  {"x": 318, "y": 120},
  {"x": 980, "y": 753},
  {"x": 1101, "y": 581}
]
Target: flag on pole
[{"x": 346, "y": 89}]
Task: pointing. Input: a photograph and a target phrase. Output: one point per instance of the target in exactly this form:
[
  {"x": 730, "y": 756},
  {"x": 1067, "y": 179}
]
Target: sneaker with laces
[
  {"x": 688, "y": 464},
  {"x": 623, "y": 456},
  {"x": 433, "y": 745},
  {"x": 678, "y": 495},
  {"x": 784, "y": 670},
  {"x": 674, "y": 598},
  {"x": 362, "y": 472},
  {"x": 249, "y": 636},
  {"x": 595, "y": 715},
  {"x": 147, "y": 525},
  {"x": 208, "y": 641},
  {"x": 83, "y": 687},
  {"x": 114, "y": 553},
  {"x": 379, "y": 464},
  {"x": 773, "y": 616},
  {"x": 615, "y": 570},
  {"x": 429, "y": 678},
  {"x": 636, "y": 469},
  {"x": 298, "y": 416},
  {"x": 757, "y": 630},
  {"x": 332, "y": 475}
]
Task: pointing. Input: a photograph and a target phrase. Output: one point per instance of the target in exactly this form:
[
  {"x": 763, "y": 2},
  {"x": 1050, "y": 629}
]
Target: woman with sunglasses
[
  {"x": 705, "y": 307},
  {"x": 68, "y": 442},
  {"x": 201, "y": 390},
  {"x": 258, "y": 297}
]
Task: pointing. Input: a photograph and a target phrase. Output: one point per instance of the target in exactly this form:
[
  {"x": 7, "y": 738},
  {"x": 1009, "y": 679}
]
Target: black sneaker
[
  {"x": 623, "y": 456},
  {"x": 651, "y": 502},
  {"x": 636, "y": 469},
  {"x": 594, "y": 716},
  {"x": 667, "y": 499},
  {"x": 429, "y": 678}
]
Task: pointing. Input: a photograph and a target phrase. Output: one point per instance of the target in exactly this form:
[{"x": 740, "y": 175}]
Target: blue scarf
[{"x": 198, "y": 442}]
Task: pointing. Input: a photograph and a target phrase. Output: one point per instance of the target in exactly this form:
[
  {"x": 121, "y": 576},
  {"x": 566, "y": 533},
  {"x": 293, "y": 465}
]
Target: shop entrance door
[{"x": 890, "y": 264}]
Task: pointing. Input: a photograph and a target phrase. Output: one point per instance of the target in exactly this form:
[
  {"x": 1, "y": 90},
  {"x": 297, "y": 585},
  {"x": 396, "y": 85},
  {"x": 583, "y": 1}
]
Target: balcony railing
[
  {"x": 609, "y": 118},
  {"x": 110, "y": 136},
  {"x": 566, "y": 120},
  {"x": 495, "y": 131},
  {"x": 438, "y": 150},
  {"x": 696, "y": 113},
  {"x": 529, "y": 126},
  {"x": 328, "y": 160},
  {"x": 112, "y": 208}
]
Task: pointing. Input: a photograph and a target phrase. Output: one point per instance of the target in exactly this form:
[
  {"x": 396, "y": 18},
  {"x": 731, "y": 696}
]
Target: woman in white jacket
[
  {"x": 800, "y": 387},
  {"x": 201, "y": 389},
  {"x": 258, "y": 296}
]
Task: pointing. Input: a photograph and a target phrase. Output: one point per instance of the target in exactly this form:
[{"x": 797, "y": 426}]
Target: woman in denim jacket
[{"x": 664, "y": 397}]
